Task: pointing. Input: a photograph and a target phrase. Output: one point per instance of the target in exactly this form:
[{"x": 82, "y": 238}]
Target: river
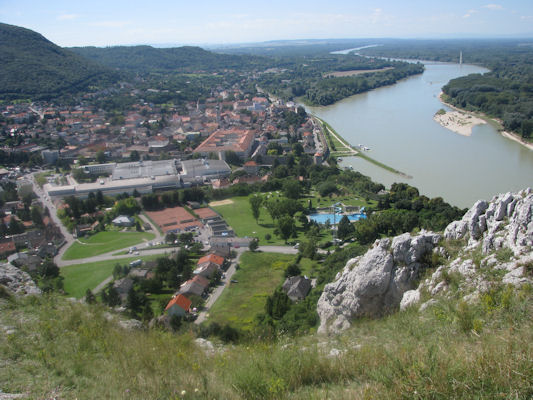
[{"x": 396, "y": 124}]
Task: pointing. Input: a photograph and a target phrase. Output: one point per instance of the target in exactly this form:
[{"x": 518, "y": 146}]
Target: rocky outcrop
[
  {"x": 505, "y": 221},
  {"x": 374, "y": 283},
  {"x": 17, "y": 281},
  {"x": 384, "y": 278}
]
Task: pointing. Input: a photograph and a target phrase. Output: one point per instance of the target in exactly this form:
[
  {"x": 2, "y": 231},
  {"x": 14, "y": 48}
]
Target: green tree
[
  {"x": 292, "y": 189},
  {"x": 254, "y": 244},
  {"x": 100, "y": 157},
  {"x": 286, "y": 227},
  {"x": 345, "y": 229},
  {"x": 255, "y": 204},
  {"x": 90, "y": 298}
]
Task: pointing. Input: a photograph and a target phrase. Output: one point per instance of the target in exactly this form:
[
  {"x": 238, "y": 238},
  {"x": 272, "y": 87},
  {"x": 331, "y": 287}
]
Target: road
[
  {"x": 219, "y": 289},
  {"x": 46, "y": 202}
]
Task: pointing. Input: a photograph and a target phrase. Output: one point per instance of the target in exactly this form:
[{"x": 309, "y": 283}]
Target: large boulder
[{"x": 374, "y": 284}]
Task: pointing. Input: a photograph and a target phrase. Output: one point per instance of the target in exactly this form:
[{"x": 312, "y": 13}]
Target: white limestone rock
[
  {"x": 376, "y": 282},
  {"x": 409, "y": 299},
  {"x": 17, "y": 281},
  {"x": 504, "y": 222}
]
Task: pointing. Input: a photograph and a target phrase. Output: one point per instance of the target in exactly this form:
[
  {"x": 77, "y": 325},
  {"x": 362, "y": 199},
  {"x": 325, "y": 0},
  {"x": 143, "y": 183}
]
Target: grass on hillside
[
  {"x": 104, "y": 242},
  {"x": 80, "y": 277},
  {"x": 59, "y": 349},
  {"x": 257, "y": 277}
]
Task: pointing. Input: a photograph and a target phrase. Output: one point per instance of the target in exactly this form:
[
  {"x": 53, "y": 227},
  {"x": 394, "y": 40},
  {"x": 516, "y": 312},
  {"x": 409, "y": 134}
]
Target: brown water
[{"x": 396, "y": 123}]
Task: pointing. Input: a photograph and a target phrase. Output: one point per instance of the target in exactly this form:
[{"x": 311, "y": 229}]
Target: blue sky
[{"x": 104, "y": 23}]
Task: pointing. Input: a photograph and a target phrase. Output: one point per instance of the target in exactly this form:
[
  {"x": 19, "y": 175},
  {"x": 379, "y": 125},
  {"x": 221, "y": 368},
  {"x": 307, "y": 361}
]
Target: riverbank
[
  {"x": 462, "y": 122},
  {"x": 351, "y": 152}
]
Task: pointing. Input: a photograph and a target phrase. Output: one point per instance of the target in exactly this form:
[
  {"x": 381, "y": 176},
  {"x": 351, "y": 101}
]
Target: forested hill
[
  {"x": 178, "y": 59},
  {"x": 506, "y": 92},
  {"x": 33, "y": 67}
]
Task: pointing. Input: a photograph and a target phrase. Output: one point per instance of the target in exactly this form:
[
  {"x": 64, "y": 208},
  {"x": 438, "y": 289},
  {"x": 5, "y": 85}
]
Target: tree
[
  {"x": 110, "y": 295},
  {"x": 135, "y": 156},
  {"x": 90, "y": 298},
  {"x": 345, "y": 229},
  {"x": 100, "y": 197},
  {"x": 292, "y": 270},
  {"x": 254, "y": 244},
  {"x": 278, "y": 304},
  {"x": 255, "y": 204},
  {"x": 286, "y": 227},
  {"x": 48, "y": 269},
  {"x": 292, "y": 189},
  {"x": 36, "y": 217},
  {"x": 100, "y": 157}
]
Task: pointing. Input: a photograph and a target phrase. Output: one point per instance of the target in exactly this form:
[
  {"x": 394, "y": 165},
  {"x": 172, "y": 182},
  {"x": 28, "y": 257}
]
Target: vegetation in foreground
[{"x": 452, "y": 350}]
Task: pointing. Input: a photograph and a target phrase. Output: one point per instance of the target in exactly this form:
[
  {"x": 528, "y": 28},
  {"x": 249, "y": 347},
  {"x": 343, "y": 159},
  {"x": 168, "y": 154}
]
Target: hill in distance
[
  {"x": 185, "y": 59},
  {"x": 33, "y": 67}
]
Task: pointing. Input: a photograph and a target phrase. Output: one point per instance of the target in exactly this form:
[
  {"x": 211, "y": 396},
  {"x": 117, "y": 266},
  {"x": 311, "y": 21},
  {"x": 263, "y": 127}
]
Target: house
[
  {"x": 7, "y": 247},
  {"x": 19, "y": 260},
  {"x": 251, "y": 167},
  {"x": 123, "y": 220},
  {"x": 123, "y": 286},
  {"x": 178, "y": 306},
  {"x": 207, "y": 265},
  {"x": 297, "y": 287},
  {"x": 195, "y": 286}
]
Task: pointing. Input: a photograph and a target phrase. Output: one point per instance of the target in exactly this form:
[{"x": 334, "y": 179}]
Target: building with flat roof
[
  {"x": 204, "y": 169},
  {"x": 220, "y": 141},
  {"x": 143, "y": 176}
]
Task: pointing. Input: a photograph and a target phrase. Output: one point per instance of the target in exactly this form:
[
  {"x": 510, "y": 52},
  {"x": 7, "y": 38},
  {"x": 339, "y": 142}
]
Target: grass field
[
  {"x": 80, "y": 277},
  {"x": 257, "y": 277},
  {"x": 104, "y": 242}
]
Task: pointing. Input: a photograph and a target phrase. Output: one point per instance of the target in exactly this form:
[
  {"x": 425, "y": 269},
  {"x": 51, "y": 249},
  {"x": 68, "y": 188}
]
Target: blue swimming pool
[{"x": 322, "y": 218}]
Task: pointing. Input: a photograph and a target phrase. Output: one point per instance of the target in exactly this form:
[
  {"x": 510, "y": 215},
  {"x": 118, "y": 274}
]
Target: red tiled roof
[
  {"x": 181, "y": 301},
  {"x": 7, "y": 247},
  {"x": 211, "y": 258},
  {"x": 250, "y": 163}
]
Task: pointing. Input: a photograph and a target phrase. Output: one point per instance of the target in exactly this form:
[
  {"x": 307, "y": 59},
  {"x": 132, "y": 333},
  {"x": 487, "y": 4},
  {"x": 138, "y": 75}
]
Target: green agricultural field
[
  {"x": 80, "y": 277},
  {"x": 104, "y": 242},
  {"x": 257, "y": 277}
]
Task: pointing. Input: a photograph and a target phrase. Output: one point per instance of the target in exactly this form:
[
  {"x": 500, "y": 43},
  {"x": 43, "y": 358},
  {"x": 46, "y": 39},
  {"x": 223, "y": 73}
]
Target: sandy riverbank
[
  {"x": 458, "y": 122},
  {"x": 462, "y": 123}
]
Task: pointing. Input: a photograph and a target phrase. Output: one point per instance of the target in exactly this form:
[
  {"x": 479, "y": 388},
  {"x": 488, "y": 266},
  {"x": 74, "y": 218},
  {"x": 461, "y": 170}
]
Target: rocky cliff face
[
  {"x": 17, "y": 281},
  {"x": 387, "y": 276},
  {"x": 374, "y": 283}
]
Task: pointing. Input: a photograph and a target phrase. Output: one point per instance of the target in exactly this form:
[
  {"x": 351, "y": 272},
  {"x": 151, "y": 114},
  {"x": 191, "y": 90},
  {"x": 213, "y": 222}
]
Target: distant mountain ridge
[
  {"x": 34, "y": 67},
  {"x": 183, "y": 59}
]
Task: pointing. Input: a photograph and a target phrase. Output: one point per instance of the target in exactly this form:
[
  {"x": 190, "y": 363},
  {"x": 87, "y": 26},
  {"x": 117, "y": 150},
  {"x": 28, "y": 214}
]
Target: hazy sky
[{"x": 112, "y": 22}]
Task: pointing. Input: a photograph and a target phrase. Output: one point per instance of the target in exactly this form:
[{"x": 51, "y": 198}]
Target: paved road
[
  {"x": 46, "y": 201},
  {"x": 109, "y": 256}
]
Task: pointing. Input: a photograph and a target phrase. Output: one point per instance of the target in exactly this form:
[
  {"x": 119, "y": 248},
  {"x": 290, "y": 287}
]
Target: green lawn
[
  {"x": 80, "y": 277},
  {"x": 258, "y": 276},
  {"x": 104, "y": 242}
]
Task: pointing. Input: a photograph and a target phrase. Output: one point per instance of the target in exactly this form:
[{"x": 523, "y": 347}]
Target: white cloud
[
  {"x": 67, "y": 17},
  {"x": 526, "y": 17},
  {"x": 469, "y": 13},
  {"x": 493, "y": 7}
]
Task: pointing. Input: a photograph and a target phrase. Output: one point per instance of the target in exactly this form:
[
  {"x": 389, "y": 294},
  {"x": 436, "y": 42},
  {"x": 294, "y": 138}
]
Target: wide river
[{"x": 396, "y": 123}]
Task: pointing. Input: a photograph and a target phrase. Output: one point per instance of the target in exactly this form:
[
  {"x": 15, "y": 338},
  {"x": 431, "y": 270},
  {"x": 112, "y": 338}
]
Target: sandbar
[{"x": 458, "y": 122}]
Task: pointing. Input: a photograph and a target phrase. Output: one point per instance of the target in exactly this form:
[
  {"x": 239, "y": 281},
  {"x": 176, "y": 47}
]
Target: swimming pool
[{"x": 322, "y": 218}]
